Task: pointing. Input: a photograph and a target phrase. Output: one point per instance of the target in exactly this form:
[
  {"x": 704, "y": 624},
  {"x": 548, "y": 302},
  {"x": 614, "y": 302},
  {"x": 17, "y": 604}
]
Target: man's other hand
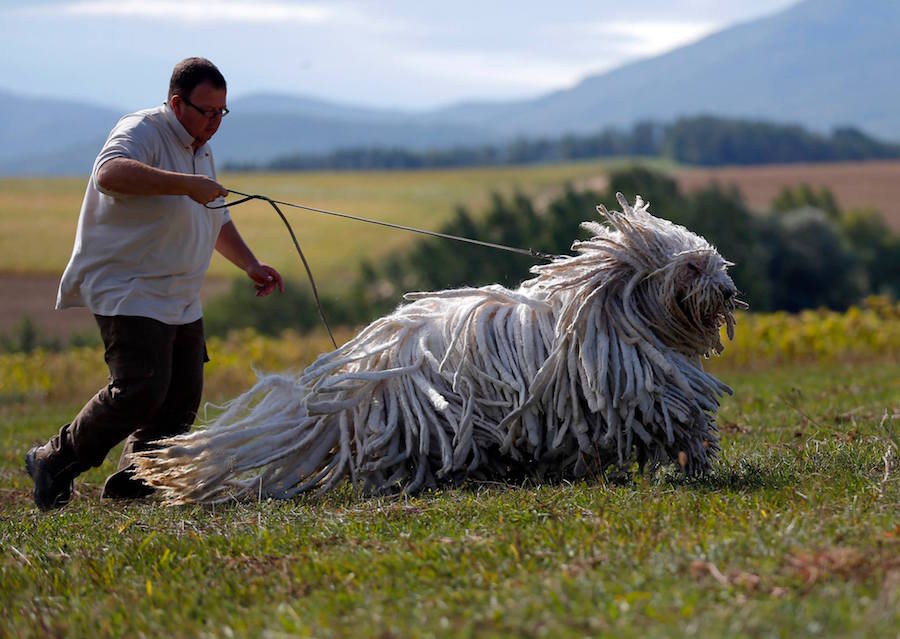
[
  {"x": 265, "y": 279},
  {"x": 204, "y": 190}
]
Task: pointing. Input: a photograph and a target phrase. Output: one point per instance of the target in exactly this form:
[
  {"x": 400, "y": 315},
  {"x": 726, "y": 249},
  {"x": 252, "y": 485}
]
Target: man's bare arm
[{"x": 130, "y": 177}]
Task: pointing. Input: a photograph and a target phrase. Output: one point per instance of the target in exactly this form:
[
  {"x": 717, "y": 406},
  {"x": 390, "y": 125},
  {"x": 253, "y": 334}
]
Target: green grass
[
  {"x": 795, "y": 532},
  {"x": 38, "y": 216}
]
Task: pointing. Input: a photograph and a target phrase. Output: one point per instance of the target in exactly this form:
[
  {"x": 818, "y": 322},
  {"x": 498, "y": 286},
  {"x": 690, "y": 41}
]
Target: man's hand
[
  {"x": 265, "y": 279},
  {"x": 231, "y": 245},
  {"x": 204, "y": 190}
]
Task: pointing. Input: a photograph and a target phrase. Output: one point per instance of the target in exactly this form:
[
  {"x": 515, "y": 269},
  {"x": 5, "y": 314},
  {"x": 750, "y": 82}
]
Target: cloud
[
  {"x": 498, "y": 73},
  {"x": 571, "y": 52},
  {"x": 265, "y": 11},
  {"x": 647, "y": 38}
]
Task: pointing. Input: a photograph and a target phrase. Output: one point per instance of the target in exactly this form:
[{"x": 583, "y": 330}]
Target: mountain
[
  {"x": 261, "y": 135},
  {"x": 315, "y": 108},
  {"x": 44, "y": 135},
  {"x": 819, "y": 63},
  {"x": 267, "y": 125}
]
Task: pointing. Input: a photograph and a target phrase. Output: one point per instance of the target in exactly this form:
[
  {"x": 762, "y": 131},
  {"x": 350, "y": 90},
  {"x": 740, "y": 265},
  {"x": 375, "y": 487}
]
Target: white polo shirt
[{"x": 144, "y": 255}]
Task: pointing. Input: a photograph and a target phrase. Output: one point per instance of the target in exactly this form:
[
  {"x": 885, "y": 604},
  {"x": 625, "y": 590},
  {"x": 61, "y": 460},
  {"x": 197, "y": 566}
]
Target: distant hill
[
  {"x": 260, "y": 136},
  {"x": 304, "y": 106},
  {"x": 819, "y": 64},
  {"x": 45, "y": 135}
]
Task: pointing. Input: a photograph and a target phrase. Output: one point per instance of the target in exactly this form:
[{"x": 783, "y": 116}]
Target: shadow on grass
[
  {"x": 743, "y": 476},
  {"x": 765, "y": 471}
]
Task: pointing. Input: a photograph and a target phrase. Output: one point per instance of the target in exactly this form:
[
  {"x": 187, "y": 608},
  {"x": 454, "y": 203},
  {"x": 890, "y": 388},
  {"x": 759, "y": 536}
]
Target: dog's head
[
  {"x": 671, "y": 280},
  {"x": 700, "y": 297}
]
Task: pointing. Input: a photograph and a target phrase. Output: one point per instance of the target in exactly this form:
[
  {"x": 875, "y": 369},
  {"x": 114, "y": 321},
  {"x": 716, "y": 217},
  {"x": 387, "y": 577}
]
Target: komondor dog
[{"x": 595, "y": 362}]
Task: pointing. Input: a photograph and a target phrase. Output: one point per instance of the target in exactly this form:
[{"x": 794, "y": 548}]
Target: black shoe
[
  {"x": 124, "y": 485},
  {"x": 52, "y": 480}
]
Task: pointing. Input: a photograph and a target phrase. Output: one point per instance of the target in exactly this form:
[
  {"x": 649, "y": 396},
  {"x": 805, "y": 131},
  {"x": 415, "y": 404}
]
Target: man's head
[{"x": 197, "y": 94}]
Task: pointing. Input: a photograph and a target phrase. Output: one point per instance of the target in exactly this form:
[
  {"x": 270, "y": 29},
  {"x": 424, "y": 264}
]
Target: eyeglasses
[{"x": 209, "y": 113}]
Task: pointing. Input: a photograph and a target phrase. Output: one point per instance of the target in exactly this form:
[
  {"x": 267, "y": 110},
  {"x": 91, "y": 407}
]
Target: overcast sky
[{"x": 411, "y": 54}]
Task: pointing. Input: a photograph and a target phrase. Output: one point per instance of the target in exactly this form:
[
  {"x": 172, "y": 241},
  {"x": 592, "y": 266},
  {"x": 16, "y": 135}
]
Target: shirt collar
[{"x": 181, "y": 133}]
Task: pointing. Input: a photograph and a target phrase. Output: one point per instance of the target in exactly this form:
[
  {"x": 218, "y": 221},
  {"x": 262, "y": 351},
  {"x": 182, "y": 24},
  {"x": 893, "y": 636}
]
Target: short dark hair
[{"x": 190, "y": 72}]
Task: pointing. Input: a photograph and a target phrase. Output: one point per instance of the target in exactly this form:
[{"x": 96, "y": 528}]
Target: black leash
[
  {"x": 274, "y": 203},
  {"x": 309, "y": 274}
]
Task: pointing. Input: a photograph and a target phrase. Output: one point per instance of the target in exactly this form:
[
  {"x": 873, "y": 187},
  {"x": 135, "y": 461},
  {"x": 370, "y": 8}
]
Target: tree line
[
  {"x": 702, "y": 140},
  {"x": 805, "y": 253}
]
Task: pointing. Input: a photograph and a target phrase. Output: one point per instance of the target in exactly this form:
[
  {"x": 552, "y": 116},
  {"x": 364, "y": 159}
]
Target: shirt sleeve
[
  {"x": 131, "y": 138},
  {"x": 224, "y": 215}
]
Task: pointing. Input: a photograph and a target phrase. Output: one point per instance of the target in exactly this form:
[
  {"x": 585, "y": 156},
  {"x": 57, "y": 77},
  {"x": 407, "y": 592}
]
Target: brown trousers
[{"x": 155, "y": 383}]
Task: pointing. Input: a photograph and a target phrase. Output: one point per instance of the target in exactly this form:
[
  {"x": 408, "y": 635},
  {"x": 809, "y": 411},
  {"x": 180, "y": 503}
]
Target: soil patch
[
  {"x": 855, "y": 185},
  {"x": 33, "y": 295}
]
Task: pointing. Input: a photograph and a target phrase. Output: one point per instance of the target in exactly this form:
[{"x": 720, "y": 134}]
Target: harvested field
[{"x": 855, "y": 185}]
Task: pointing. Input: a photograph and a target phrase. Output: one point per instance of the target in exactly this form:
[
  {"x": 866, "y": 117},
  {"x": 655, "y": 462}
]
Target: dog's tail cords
[{"x": 274, "y": 203}]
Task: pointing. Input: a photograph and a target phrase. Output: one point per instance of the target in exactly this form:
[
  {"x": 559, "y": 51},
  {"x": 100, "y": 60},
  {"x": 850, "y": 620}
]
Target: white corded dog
[{"x": 595, "y": 361}]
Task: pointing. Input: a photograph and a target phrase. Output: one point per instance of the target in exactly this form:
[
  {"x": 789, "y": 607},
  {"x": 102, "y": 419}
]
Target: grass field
[{"x": 796, "y": 532}]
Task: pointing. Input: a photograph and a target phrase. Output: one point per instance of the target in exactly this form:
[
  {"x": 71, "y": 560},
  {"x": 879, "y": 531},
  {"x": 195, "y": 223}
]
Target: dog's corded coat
[{"x": 594, "y": 361}]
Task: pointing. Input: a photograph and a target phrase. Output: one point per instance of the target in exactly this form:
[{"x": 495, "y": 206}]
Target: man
[{"x": 142, "y": 248}]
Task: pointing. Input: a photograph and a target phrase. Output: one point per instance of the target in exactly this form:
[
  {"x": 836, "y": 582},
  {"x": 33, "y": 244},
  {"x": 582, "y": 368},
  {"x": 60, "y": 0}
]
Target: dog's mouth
[
  {"x": 709, "y": 312},
  {"x": 725, "y": 315}
]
